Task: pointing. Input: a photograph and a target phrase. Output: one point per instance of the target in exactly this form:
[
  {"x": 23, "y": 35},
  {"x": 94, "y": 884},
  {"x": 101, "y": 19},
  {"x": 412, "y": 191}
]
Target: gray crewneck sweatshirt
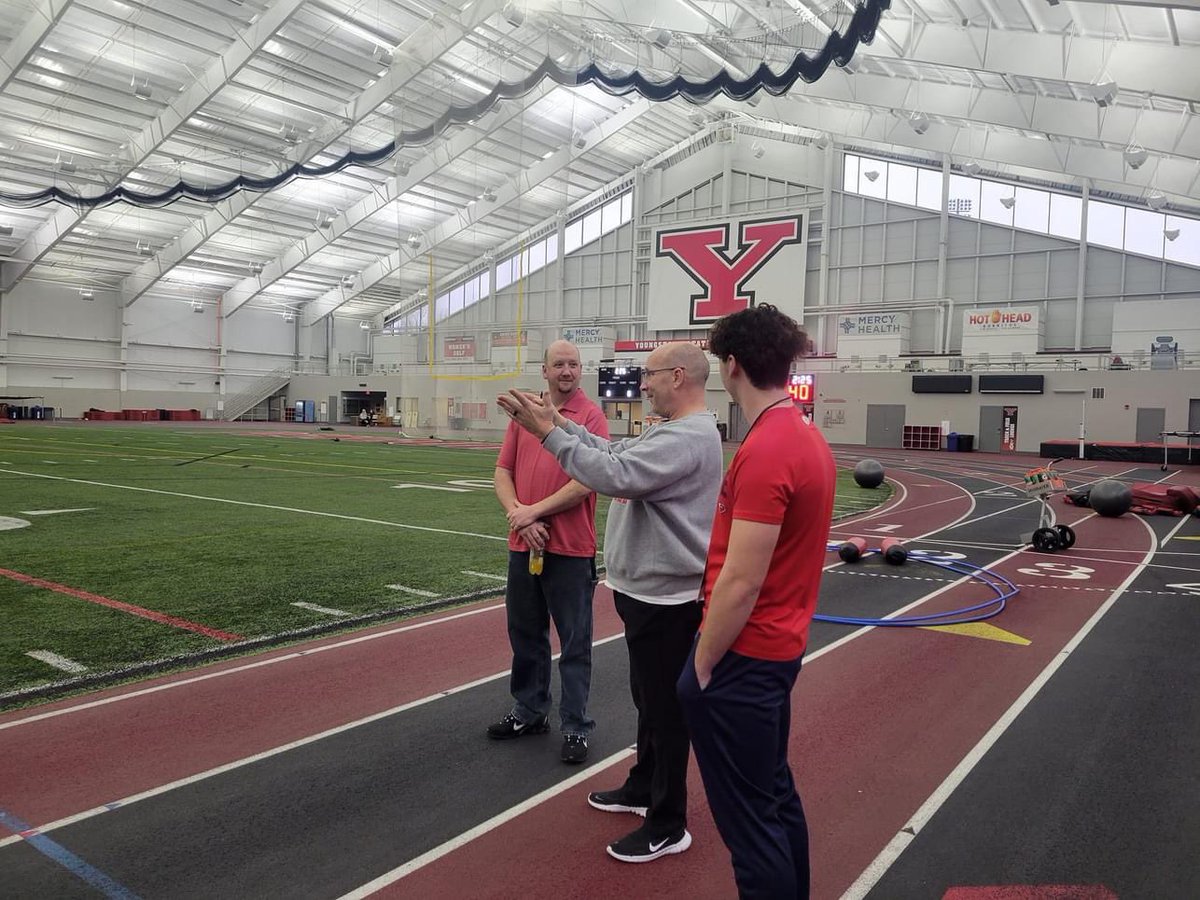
[{"x": 664, "y": 485}]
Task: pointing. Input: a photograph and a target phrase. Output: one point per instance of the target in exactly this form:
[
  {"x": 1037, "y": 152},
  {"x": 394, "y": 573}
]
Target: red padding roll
[{"x": 853, "y": 549}]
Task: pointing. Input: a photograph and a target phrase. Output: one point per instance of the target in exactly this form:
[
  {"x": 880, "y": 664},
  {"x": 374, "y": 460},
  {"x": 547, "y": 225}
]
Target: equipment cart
[{"x": 1043, "y": 483}]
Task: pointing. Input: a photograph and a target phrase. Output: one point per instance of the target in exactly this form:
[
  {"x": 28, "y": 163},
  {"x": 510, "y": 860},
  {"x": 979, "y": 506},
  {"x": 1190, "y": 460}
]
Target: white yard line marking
[
  {"x": 291, "y": 509},
  {"x": 267, "y": 754},
  {"x": 49, "y": 462},
  {"x": 53, "y": 512},
  {"x": 484, "y": 827},
  {"x": 408, "y": 590},
  {"x": 485, "y": 575},
  {"x": 321, "y": 609},
  {"x": 879, "y": 866},
  {"x": 51, "y": 658}
]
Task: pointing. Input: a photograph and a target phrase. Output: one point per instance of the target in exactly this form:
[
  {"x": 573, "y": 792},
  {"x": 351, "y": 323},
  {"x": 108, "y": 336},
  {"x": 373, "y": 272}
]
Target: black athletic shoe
[
  {"x": 638, "y": 846},
  {"x": 617, "y": 802},
  {"x": 574, "y": 748},
  {"x": 512, "y": 727}
]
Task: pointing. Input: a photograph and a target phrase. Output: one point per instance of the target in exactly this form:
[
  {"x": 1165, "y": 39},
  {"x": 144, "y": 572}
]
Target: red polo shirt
[
  {"x": 536, "y": 475},
  {"x": 783, "y": 474}
]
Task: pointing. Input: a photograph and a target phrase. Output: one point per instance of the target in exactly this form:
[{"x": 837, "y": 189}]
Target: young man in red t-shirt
[{"x": 760, "y": 591}]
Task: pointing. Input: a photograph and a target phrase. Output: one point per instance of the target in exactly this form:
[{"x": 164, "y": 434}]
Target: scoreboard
[{"x": 802, "y": 388}]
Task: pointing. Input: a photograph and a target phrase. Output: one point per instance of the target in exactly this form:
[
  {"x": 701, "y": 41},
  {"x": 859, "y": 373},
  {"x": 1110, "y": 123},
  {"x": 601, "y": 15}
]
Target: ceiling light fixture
[
  {"x": 256, "y": 268},
  {"x": 144, "y": 249},
  {"x": 1104, "y": 92},
  {"x": 86, "y": 294},
  {"x": 1007, "y": 202},
  {"x": 578, "y": 139},
  {"x": 383, "y": 56},
  {"x": 5, "y": 230},
  {"x": 488, "y": 196},
  {"x": 972, "y": 168},
  {"x": 197, "y": 306},
  {"x": 1170, "y": 233},
  {"x": 364, "y": 325},
  {"x": 403, "y": 168},
  {"x": 660, "y": 37},
  {"x": 142, "y": 89},
  {"x": 1156, "y": 200},
  {"x": 347, "y": 281},
  {"x": 823, "y": 141},
  {"x": 64, "y": 165},
  {"x": 413, "y": 240},
  {"x": 870, "y": 176},
  {"x": 758, "y": 149},
  {"x": 1135, "y": 156},
  {"x": 919, "y": 122},
  {"x": 513, "y": 14},
  {"x": 289, "y": 316},
  {"x": 325, "y": 220}
]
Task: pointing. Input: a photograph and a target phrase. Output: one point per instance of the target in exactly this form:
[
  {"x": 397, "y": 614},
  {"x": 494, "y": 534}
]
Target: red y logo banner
[{"x": 704, "y": 254}]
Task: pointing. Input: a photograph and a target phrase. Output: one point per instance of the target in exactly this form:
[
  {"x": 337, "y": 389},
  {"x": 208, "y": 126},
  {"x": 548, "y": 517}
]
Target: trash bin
[
  {"x": 952, "y": 442},
  {"x": 722, "y": 429},
  {"x": 966, "y": 443}
]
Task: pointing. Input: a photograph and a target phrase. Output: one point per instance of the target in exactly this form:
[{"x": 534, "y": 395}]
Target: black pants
[
  {"x": 740, "y": 725},
  {"x": 659, "y": 640}
]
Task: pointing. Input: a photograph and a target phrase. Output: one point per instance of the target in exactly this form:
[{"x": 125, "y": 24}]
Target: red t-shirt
[
  {"x": 536, "y": 475},
  {"x": 783, "y": 474}
]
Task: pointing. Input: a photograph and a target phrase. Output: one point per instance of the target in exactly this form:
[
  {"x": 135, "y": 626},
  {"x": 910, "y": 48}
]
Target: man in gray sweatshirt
[{"x": 664, "y": 486}]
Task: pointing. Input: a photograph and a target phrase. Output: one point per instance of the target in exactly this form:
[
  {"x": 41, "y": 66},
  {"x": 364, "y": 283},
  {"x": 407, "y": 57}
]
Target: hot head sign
[
  {"x": 978, "y": 321},
  {"x": 700, "y": 273}
]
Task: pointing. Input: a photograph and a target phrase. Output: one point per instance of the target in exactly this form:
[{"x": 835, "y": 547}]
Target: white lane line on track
[
  {"x": 290, "y": 509},
  {"x": 265, "y": 754},
  {"x": 880, "y": 865},
  {"x": 483, "y": 828},
  {"x": 233, "y": 670}
]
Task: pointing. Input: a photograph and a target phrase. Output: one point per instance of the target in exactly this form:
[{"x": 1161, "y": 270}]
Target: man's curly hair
[{"x": 764, "y": 340}]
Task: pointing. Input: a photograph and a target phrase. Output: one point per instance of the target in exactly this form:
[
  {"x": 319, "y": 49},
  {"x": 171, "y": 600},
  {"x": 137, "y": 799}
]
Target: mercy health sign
[
  {"x": 874, "y": 324},
  {"x": 703, "y": 272}
]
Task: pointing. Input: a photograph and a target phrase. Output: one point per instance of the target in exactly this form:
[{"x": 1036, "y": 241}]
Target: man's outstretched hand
[{"x": 530, "y": 411}]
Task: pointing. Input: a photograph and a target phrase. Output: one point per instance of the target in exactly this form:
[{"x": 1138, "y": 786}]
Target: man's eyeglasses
[{"x": 646, "y": 373}]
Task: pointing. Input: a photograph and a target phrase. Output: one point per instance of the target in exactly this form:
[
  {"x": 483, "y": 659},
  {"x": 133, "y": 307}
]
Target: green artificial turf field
[{"x": 151, "y": 516}]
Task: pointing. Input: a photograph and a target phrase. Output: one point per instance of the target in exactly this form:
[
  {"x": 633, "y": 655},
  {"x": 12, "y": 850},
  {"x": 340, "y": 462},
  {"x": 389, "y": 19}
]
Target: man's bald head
[
  {"x": 689, "y": 357},
  {"x": 560, "y": 348}
]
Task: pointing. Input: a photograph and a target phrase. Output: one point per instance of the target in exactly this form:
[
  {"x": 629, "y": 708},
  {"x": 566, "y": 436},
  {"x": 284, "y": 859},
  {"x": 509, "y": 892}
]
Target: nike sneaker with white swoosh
[
  {"x": 638, "y": 846},
  {"x": 510, "y": 727}
]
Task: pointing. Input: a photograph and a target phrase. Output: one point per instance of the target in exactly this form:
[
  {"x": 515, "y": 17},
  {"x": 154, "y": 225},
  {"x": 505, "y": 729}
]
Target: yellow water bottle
[{"x": 537, "y": 559}]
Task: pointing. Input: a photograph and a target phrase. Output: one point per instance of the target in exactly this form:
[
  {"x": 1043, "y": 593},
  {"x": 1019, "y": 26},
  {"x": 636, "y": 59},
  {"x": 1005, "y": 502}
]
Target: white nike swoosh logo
[{"x": 654, "y": 848}]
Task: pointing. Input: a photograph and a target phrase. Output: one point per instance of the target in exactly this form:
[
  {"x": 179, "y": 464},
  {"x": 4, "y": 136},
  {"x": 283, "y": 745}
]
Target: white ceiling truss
[{"x": 140, "y": 94}]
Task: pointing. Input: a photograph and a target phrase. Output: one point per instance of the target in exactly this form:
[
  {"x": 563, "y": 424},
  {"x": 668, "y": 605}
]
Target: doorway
[
  {"x": 885, "y": 425},
  {"x": 991, "y": 428},
  {"x": 1151, "y": 423}
]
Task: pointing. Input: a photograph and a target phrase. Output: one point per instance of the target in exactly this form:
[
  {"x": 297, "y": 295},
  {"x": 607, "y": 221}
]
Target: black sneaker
[
  {"x": 616, "y": 802},
  {"x": 511, "y": 727},
  {"x": 638, "y": 846},
  {"x": 574, "y": 748}
]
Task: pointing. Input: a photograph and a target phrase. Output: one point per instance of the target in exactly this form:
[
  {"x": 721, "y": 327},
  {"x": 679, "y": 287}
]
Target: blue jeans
[
  {"x": 739, "y": 727},
  {"x": 563, "y": 592}
]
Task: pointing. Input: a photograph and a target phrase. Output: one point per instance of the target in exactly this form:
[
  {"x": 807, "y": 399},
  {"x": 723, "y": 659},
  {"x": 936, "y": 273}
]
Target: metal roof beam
[
  {"x": 158, "y": 131},
  {"x": 455, "y": 224},
  {"x": 424, "y": 45},
  {"x": 296, "y": 255},
  {"x": 45, "y": 17}
]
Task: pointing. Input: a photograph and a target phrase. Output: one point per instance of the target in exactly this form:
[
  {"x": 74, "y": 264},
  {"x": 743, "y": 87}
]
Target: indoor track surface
[{"x": 1052, "y": 749}]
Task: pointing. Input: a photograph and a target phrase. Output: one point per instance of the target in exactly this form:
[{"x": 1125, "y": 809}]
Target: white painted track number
[{"x": 1059, "y": 570}]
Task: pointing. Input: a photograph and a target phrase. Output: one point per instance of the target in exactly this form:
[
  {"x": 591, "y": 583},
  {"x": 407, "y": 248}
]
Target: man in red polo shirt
[
  {"x": 760, "y": 591},
  {"x": 550, "y": 513}
]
